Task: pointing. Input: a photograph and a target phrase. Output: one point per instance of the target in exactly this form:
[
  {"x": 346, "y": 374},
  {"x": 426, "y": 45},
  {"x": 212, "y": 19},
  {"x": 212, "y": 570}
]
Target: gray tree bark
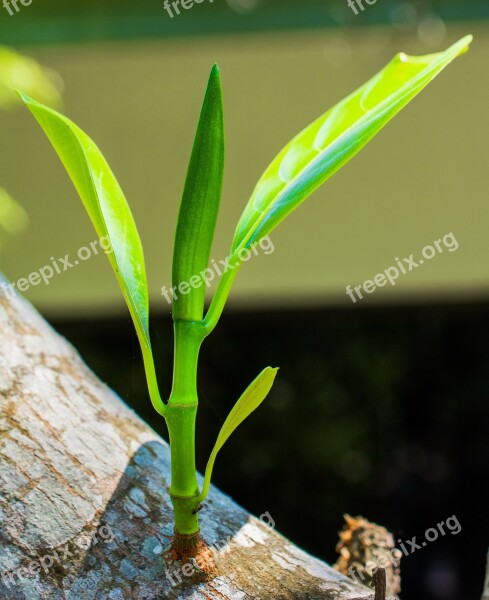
[{"x": 84, "y": 505}]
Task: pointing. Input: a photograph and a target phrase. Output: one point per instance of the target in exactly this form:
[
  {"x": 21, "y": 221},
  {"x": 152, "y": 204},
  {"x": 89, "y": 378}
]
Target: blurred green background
[{"x": 387, "y": 399}]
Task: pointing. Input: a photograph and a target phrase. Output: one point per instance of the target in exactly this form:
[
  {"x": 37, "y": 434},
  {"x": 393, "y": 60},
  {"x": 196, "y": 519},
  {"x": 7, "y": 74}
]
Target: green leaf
[
  {"x": 110, "y": 215},
  {"x": 332, "y": 140},
  {"x": 105, "y": 204},
  {"x": 200, "y": 205},
  {"x": 250, "y": 400}
]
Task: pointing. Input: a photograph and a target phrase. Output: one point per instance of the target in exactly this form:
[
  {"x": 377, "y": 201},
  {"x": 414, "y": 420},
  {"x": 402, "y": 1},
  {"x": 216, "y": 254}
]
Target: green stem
[
  {"x": 184, "y": 490},
  {"x": 181, "y": 413},
  {"x": 219, "y": 300}
]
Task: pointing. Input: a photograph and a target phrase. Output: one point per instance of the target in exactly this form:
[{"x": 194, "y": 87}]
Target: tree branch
[{"x": 84, "y": 504}]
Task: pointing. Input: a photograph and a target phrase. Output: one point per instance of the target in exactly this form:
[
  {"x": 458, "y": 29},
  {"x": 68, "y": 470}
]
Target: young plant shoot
[{"x": 303, "y": 165}]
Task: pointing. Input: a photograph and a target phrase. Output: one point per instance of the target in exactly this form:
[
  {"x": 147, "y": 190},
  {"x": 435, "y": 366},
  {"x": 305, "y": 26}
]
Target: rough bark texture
[
  {"x": 364, "y": 547},
  {"x": 84, "y": 506}
]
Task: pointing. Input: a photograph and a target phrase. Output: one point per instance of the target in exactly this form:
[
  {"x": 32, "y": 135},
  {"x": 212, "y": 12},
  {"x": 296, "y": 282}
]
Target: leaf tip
[
  {"x": 272, "y": 372},
  {"x": 24, "y": 97},
  {"x": 29, "y": 102},
  {"x": 463, "y": 44},
  {"x": 215, "y": 76}
]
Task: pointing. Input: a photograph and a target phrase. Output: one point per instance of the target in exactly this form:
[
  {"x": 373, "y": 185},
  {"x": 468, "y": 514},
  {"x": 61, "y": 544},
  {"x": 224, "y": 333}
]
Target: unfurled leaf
[
  {"x": 200, "y": 205},
  {"x": 332, "y": 140},
  {"x": 110, "y": 215},
  {"x": 250, "y": 400}
]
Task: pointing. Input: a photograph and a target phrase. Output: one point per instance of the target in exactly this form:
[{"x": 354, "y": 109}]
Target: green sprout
[{"x": 301, "y": 167}]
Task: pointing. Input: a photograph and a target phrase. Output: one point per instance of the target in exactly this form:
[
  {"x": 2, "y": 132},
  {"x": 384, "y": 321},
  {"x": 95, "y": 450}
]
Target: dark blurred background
[
  {"x": 380, "y": 407},
  {"x": 379, "y": 412}
]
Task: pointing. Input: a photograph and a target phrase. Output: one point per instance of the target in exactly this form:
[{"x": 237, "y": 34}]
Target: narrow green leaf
[
  {"x": 250, "y": 400},
  {"x": 200, "y": 206},
  {"x": 110, "y": 215},
  {"x": 332, "y": 140}
]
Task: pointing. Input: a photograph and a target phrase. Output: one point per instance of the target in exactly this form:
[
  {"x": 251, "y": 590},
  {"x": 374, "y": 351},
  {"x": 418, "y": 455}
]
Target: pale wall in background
[{"x": 424, "y": 176}]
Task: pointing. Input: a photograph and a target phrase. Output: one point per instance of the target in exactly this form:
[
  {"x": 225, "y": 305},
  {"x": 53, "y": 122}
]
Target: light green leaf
[
  {"x": 110, "y": 215},
  {"x": 332, "y": 140},
  {"x": 250, "y": 400},
  {"x": 200, "y": 204}
]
